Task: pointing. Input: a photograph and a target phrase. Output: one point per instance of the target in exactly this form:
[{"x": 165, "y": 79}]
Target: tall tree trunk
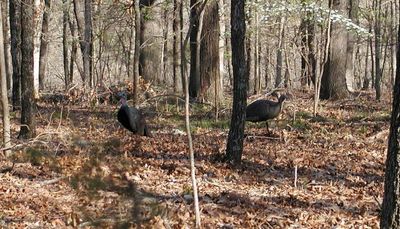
[
  {"x": 137, "y": 52},
  {"x": 164, "y": 59},
  {"x": 87, "y": 51},
  {"x": 378, "y": 53},
  {"x": 333, "y": 83},
  {"x": 15, "y": 28},
  {"x": 44, "y": 43},
  {"x": 257, "y": 84},
  {"x": 175, "y": 44},
  {"x": 150, "y": 40},
  {"x": 222, "y": 72},
  {"x": 351, "y": 39},
  {"x": 279, "y": 56},
  {"x": 247, "y": 40},
  {"x": 36, "y": 45},
  {"x": 210, "y": 87},
  {"x": 6, "y": 29},
  {"x": 4, "y": 98},
  {"x": 365, "y": 84},
  {"x": 391, "y": 203},
  {"x": 234, "y": 146},
  {"x": 74, "y": 50},
  {"x": 182, "y": 47},
  {"x": 28, "y": 125},
  {"x": 195, "y": 33},
  {"x": 66, "y": 4}
]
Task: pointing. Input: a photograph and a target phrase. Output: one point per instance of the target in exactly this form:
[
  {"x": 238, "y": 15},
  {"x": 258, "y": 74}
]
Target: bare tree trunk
[
  {"x": 137, "y": 52},
  {"x": 28, "y": 125},
  {"x": 4, "y": 98},
  {"x": 44, "y": 44},
  {"x": 87, "y": 60},
  {"x": 210, "y": 77},
  {"x": 279, "y": 58},
  {"x": 164, "y": 56},
  {"x": 151, "y": 40},
  {"x": 66, "y": 4},
  {"x": 390, "y": 210},
  {"x": 7, "y": 58},
  {"x": 365, "y": 85},
  {"x": 257, "y": 84},
  {"x": 334, "y": 77},
  {"x": 267, "y": 64},
  {"x": 247, "y": 47},
  {"x": 182, "y": 46},
  {"x": 74, "y": 50},
  {"x": 36, "y": 46},
  {"x": 15, "y": 28},
  {"x": 195, "y": 34},
  {"x": 378, "y": 53},
  {"x": 234, "y": 146},
  {"x": 176, "y": 35},
  {"x": 222, "y": 44},
  {"x": 353, "y": 6}
]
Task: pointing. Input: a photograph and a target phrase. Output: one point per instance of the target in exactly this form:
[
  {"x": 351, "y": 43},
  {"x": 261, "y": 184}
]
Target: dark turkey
[
  {"x": 132, "y": 119},
  {"x": 264, "y": 110}
]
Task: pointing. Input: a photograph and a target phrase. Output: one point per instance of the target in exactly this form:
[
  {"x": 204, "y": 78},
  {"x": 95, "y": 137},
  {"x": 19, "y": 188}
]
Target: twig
[{"x": 52, "y": 181}]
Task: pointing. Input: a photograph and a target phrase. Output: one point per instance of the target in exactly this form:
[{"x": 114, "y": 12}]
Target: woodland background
[{"x": 68, "y": 163}]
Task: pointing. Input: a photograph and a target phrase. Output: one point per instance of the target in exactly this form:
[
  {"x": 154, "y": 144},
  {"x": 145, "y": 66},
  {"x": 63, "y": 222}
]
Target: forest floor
[{"x": 84, "y": 170}]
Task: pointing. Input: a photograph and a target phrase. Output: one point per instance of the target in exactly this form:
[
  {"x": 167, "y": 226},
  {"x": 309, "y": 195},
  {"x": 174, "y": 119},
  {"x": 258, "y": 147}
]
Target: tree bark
[
  {"x": 279, "y": 57},
  {"x": 194, "y": 76},
  {"x": 391, "y": 202},
  {"x": 136, "y": 56},
  {"x": 210, "y": 87},
  {"x": 66, "y": 4},
  {"x": 36, "y": 46},
  {"x": 333, "y": 83},
  {"x": 28, "y": 128},
  {"x": 15, "y": 29},
  {"x": 4, "y": 98},
  {"x": 7, "y": 57},
  {"x": 351, "y": 40},
  {"x": 150, "y": 40},
  {"x": 378, "y": 53},
  {"x": 87, "y": 51},
  {"x": 44, "y": 39},
  {"x": 234, "y": 146},
  {"x": 175, "y": 44}
]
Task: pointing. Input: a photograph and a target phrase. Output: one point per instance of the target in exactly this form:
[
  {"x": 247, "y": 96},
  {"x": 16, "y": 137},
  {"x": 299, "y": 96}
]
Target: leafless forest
[{"x": 208, "y": 113}]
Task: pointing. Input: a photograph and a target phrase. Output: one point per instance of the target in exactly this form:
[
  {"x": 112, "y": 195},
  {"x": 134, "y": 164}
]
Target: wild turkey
[
  {"x": 264, "y": 110},
  {"x": 132, "y": 119}
]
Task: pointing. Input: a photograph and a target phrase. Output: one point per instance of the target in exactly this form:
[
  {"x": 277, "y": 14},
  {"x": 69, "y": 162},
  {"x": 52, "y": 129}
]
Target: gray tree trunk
[
  {"x": 66, "y": 5},
  {"x": 44, "y": 43},
  {"x": 4, "y": 98},
  {"x": 88, "y": 44},
  {"x": 333, "y": 83},
  {"x": 279, "y": 56},
  {"x": 351, "y": 40},
  {"x": 136, "y": 56},
  {"x": 390, "y": 211},
  {"x": 28, "y": 125},
  {"x": 151, "y": 40},
  {"x": 234, "y": 146},
  {"x": 6, "y": 29},
  {"x": 378, "y": 53},
  {"x": 15, "y": 29}
]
